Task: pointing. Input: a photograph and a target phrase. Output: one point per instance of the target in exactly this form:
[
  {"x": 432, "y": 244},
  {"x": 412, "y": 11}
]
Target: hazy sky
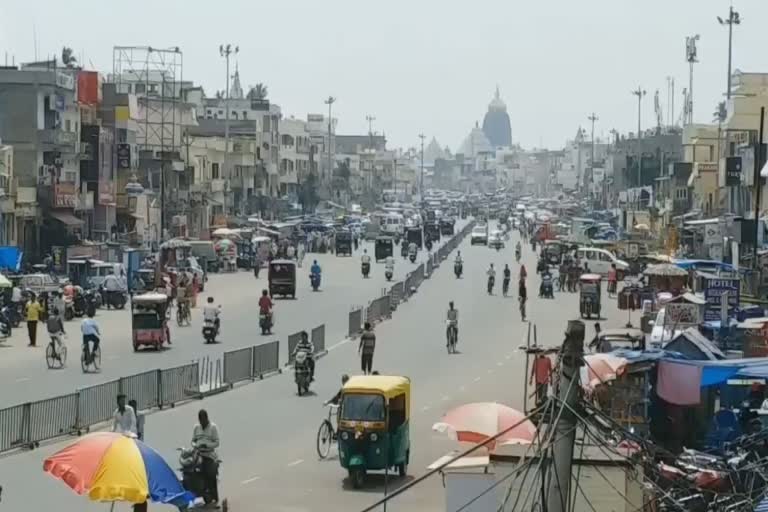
[{"x": 422, "y": 65}]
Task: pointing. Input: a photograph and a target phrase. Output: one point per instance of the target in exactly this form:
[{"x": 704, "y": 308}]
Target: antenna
[{"x": 34, "y": 39}]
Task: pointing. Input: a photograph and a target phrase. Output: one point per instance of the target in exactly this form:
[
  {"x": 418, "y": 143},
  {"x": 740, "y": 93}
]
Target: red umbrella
[{"x": 477, "y": 422}]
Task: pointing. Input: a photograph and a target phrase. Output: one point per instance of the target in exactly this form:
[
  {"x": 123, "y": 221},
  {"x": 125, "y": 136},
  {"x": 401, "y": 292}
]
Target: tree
[
  {"x": 258, "y": 92},
  {"x": 721, "y": 113},
  {"x": 308, "y": 193},
  {"x": 68, "y": 57}
]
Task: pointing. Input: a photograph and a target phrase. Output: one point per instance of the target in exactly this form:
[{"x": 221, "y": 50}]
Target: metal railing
[
  {"x": 318, "y": 339},
  {"x": 355, "y": 322}
]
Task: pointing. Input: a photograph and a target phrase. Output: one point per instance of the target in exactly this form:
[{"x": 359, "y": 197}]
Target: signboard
[
  {"x": 65, "y": 195},
  {"x": 712, "y": 234},
  {"x": 713, "y": 292},
  {"x": 106, "y": 193},
  {"x": 680, "y": 314},
  {"x": 733, "y": 171},
  {"x": 123, "y": 156},
  {"x": 716, "y": 252}
]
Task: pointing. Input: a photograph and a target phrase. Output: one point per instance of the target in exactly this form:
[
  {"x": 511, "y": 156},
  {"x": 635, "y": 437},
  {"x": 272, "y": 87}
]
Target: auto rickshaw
[
  {"x": 447, "y": 227},
  {"x": 245, "y": 254},
  {"x": 148, "y": 321},
  {"x": 432, "y": 231},
  {"x": 589, "y": 296},
  {"x": 282, "y": 278},
  {"x": 413, "y": 236},
  {"x": 553, "y": 251},
  {"x": 344, "y": 242},
  {"x": 374, "y": 432},
  {"x": 384, "y": 248}
]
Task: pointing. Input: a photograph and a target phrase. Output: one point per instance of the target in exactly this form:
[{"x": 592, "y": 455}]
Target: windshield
[{"x": 356, "y": 407}]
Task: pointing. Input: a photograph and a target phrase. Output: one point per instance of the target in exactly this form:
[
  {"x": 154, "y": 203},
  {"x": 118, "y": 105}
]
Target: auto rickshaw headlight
[
  {"x": 374, "y": 437},
  {"x": 344, "y": 436}
]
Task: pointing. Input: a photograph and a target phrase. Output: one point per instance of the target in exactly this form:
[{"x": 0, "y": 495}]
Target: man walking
[
  {"x": 366, "y": 348},
  {"x": 124, "y": 418},
  {"x": 34, "y": 310},
  {"x": 542, "y": 372}
]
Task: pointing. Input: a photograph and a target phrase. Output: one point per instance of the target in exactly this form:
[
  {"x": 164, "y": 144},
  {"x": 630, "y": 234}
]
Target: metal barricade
[
  {"x": 14, "y": 427},
  {"x": 355, "y": 323},
  {"x": 180, "y": 383},
  {"x": 372, "y": 312},
  {"x": 266, "y": 359},
  {"x": 238, "y": 365},
  {"x": 385, "y": 309},
  {"x": 430, "y": 266},
  {"x": 293, "y": 340},
  {"x": 318, "y": 339},
  {"x": 53, "y": 417},
  {"x": 96, "y": 403},
  {"x": 142, "y": 387},
  {"x": 396, "y": 295}
]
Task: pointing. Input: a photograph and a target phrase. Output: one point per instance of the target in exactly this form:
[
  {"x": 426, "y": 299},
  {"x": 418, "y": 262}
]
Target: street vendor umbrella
[
  {"x": 477, "y": 422},
  {"x": 601, "y": 368},
  {"x": 665, "y": 270},
  {"x": 108, "y": 466},
  {"x": 226, "y": 233}
]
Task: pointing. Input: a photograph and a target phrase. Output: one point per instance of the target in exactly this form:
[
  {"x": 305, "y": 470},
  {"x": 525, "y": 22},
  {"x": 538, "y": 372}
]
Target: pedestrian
[
  {"x": 300, "y": 254},
  {"x": 124, "y": 418},
  {"x": 34, "y": 311},
  {"x": 542, "y": 373},
  {"x": 366, "y": 348},
  {"x": 139, "y": 419}
]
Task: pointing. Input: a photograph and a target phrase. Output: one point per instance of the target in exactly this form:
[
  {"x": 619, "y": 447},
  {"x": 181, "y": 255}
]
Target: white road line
[
  {"x": 23, "y": 379},
  {"x": 445, "y": 398},
  {"x": 477, "y": 379},
  {"x": 250, "y": 480},
  {"x": 296, "y": 462},
  {"x": 425, "y": 408},
  {"x": 499, "y": 364},
  {"x": 337, "y": 345}
]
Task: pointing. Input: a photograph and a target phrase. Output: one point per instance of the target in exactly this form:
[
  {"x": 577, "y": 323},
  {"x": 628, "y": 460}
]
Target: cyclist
[
  {"x": 453, "y": 323},
  {"x": 91, "y": 333},
  {"x": 337, "y": 397},
  {"x": 55, "y": 329}
]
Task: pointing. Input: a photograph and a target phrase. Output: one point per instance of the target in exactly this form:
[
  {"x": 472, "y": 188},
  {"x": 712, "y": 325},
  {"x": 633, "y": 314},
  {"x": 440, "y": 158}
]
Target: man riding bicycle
[
  {"x": 91, "y": 333},
  {"x": 452, "y": 318}
]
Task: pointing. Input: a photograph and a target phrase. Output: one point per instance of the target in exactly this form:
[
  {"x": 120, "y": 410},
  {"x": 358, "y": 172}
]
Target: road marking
[
  {"x": 477, "y": 379},
  {"x": 425, "y": 408},
  {"x": 499, "y": 364},
  {"x": 250, "y": 480},
  {"x": 23, "y": 379},
  {"x": 337, "y": 345},
  {"x": 490, "y": 371},
  {"x": 296, "y": 462},
  {"x": 445, "y": 398}
]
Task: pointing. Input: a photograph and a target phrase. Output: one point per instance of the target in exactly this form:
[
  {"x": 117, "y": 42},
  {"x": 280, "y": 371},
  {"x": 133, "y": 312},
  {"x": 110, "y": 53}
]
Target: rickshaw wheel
[
  {"x": 357, "y": 476},
  {"x": 135, "y": 347},
  {"x": 402, "y": 469}
]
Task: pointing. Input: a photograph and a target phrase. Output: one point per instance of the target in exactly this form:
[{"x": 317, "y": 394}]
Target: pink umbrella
[
  {"x": 601, "y": 368},
  {"x": 476, "y": 422}
]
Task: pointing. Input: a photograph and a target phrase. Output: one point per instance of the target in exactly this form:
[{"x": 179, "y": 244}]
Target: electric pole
[
  {"x": 330, "y": 101},
  {"x": 691, "y": 55},
  {"x": 225, "y": 51},
  {"x": 592, "y": 118},
  {"x": 421, "y": 177},
  {"x": 733, "y": 19},
  {"x": 639, "y": 92},
  {"x": 370, "y": 120}
]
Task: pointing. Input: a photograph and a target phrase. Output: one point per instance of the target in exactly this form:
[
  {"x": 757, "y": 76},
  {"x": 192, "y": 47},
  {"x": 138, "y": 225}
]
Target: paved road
[
  {"x": 25, "y": 376},
  {"x": 269, "y": 433}
]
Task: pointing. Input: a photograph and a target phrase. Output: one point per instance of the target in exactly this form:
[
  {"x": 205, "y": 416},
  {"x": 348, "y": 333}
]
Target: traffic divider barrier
[
  {"x": 96, "y": 404},
  {"x": 355, "y": 326},
  {"x": 266, "y": 359},
  {"x": 293, "y": 340},
  {"x": 53, "y": 417},
  {"x": 318, "y": 339},
  {"x": 179, "y": 384},
  {"x": 14, "y": 427},
  {"x": 238, "y": 365},
  {"x": 142, "y": 387},
  {"x": 396, "y": 294},
  {"x": 430, "y": 265}
]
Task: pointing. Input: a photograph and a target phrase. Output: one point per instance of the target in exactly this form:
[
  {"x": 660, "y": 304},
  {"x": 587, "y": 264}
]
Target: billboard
[
  {"x": 106, "y": 192},
  {"x": 714, "y": 289},
  {"x": 64, "y": 195}
]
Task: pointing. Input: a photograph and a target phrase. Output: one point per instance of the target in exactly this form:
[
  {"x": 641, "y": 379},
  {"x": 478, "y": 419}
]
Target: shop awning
[{"x": 66, "y": 218}]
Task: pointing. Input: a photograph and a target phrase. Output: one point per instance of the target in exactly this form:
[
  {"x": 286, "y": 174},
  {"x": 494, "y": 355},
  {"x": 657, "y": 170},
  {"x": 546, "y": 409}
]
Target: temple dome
[{"x": 496, "y": 125}]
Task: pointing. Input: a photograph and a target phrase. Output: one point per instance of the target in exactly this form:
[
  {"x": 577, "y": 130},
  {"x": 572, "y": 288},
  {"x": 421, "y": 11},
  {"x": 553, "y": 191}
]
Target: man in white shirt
[
  {"x": 124, "y": 418},
  {"x": 91, "y": 333},
  {"x": 205, "y": 439}
]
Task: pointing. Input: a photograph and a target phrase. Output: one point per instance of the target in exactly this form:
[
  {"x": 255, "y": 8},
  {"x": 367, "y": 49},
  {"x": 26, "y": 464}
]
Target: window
[
  {"x": 67, "y": 125},
  {"x": 234, "y": 114},
  {"x": 152, "y": 89},
  {"x": 141, "y": 88},
  {"x": 221, "y": 112},
  {"x": 605, "y": 257},
  {"x": 363, "y": 408},
  {"x": 266, "y": 127},
  {"x": 215, "y": 171}
]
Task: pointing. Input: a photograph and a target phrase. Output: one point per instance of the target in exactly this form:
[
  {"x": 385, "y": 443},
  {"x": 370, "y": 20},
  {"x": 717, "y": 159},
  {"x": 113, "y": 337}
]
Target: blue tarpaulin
[{"x": 10, "y": 258}]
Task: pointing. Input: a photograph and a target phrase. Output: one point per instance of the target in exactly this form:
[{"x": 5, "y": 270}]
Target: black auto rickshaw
[
  {"x": 432, "y": 231},
  {"x": 245, "y": 254},
  {"x": 344, "y": 242},
  {"x": 413, "y": 235},
  {"x": 447, "y": 227},
  {"x": 374, "y": 430},
  {"x": 589, "y": 295},
  {"x": 553, "y": 251},
  {"x": 282, "y": 278},
  {"x": 384, "y": 247}
]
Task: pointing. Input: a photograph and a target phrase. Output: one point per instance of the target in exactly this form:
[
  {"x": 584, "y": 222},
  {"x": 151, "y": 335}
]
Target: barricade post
[
  {"x": 266, "y": 359},
  {"x": 179, "y": 383},
  {"x": 238, "y": 365},
  {"x": 293, "y": 340},
  {"x": 355, "y": 322},
  {"x": 52, "y": 417},
  {"x": 14, "y": 427},
  {"x": 318, "y": 339}
]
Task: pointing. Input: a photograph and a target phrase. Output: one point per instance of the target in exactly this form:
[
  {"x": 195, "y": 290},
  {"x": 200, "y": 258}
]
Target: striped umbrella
[{"x": 477, "y": 422}]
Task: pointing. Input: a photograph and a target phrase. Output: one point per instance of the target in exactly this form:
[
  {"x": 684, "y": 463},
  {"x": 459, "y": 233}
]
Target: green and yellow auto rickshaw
[{"x": 374, "y": 416}]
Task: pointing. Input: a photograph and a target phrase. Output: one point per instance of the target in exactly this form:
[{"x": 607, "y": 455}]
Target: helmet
[{"x": 344, "y": 379}]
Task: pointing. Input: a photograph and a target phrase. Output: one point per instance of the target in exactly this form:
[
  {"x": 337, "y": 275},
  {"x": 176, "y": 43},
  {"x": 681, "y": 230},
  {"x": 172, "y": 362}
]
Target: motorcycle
[
  {"x": 412, "y": 257},
  {"x": 458, "y": 268},
  {"x": 388, "y": 274},
  {"x": 115, "y": 299},
  {"x": 545, "y": 290},
  {"x": 265, "y": 322},
  {"x": 301, "y": 372},
  {"x": 314, "y": 280},
  {"x": 193, "y": 477},
  {"x": 491, "y": 281},
  {"x": 366, "y": 268},
  {"x": 210, "y": 331},
  {"x": 5, "y": 322}
]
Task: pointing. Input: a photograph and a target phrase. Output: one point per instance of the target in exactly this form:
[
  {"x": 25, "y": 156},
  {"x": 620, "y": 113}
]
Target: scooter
[
  {"x": 366, "y": 267},
  {"x": 314, "y": 280},
  {"x": 301, "y": 372},
  {"x": 69, "y": 308},
  {"x": 458, "y": 268},
  {"x": 388, "y": 274},
  {"x": 209, "y": 331},
  {"x": 265, "y": 322},
  {"x": 545, "y": 290},
  {"x": 412, "y": 257},
  {"x": 193, "y": 479}
]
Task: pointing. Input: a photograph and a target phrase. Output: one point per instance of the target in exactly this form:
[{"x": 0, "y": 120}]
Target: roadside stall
[{"x": 666, "y": 277}]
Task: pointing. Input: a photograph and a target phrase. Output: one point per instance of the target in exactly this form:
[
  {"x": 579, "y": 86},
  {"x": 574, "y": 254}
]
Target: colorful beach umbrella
[
  {"x": 107, "y": 466},
  {"x": 476, "y": 422}
]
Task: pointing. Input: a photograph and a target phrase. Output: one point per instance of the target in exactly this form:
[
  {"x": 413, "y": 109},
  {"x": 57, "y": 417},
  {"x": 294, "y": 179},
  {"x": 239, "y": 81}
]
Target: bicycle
[
  {"x": 93, "y": 359},
  {"x": 326, "y": 434},
  {"x": 183, "y": 314},
  {"x": 452, "y": 336},
  {"x": 55, "y": 352}
]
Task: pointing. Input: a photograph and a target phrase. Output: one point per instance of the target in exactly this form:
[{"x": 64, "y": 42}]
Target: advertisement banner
[
  {"x": 681, "y": 314},
  {"x": 733, "y": 171},
  {"x": 65, "y": 195},
  {"x": 106, "y": 193},
  {"x": 123, "y": 156},
  {"x": 712, "y": 235},
  {"x": 713, "y": 293}
]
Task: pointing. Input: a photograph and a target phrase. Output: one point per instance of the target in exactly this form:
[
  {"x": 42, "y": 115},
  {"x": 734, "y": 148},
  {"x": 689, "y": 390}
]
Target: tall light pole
[
  {"x": 225, "y": 51},
  {"x": 592, "y": 118},
  {"x": 421, "y": 176},
  {"x": 691, "y": 55},
  {"x": 330, "y": 101},
  {"x": 370, "y": 120},
  {"x": 639, "y": 92},
  {"x": 733, "y": 19}
]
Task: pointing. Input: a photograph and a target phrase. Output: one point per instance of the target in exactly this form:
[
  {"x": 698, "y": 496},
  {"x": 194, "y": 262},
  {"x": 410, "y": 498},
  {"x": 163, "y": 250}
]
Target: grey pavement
[
  {"x": 268, "y": 432},
  {"x": 25, "y": 376}
]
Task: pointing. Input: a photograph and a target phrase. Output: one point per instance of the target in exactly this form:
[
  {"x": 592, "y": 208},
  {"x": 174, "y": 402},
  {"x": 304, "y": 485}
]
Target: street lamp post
[
  {"x": 639, "y": 92},
  {"x": 226, "y": 51},
  {"x": 592, "y": 118},
  {"x": 330, "y": 101},
  {"x": 691, "y": 55},
  {"x": 733, "y": 19},
  {"x": 421, "y": 176}
]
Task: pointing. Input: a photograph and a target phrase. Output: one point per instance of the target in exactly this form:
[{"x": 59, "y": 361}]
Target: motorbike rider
[
  {"x": 412, "y": 249},
  {"x": 518, "y": 251},
  {"x": 205, "y": 439},
  {"x": 265, "y": 303},
  {"x": 507, "y": 276},
  {"x": 337, "y": 397},
  {"x": 452, "y": 318},
  {"x": 365, "y": 259},
  {"x": 211, "y": 313},
  {"x": 389, "y": 264},
  {"x": 307, "y": 346},
  {"x": 314, "y": 269},
  {"x": 491, "y": 276},
  {"x": 112, "y": 285}
]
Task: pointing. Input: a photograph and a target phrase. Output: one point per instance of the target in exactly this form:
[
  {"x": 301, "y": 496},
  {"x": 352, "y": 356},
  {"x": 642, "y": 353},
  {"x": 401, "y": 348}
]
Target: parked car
[{"x": 600, "y": 261}]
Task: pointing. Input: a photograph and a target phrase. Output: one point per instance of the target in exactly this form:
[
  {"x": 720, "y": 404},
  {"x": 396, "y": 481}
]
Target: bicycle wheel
[
  {"x": 50, "y": 355},
  {"x": 83, "y": 363},
  {"x": 324, "y": 439},
  {"x": 180, "y": 318},
  {"x": 62, "y": 355},
  {"x": 96, "y": 360}
]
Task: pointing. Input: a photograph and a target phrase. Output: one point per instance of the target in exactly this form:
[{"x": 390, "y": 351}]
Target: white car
[
  {"x": 600, "y": 261},
  {"x": 479, "y": 235},
  {"x": 496, "y": 239}
]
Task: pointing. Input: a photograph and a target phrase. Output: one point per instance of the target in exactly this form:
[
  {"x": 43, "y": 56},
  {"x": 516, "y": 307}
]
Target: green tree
[
  {"x": 68, "y": 57},
  {"x": 308, "y": 193},
  {"x": 721, "y": 113},
  {"x": 258, "y": 92}
]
